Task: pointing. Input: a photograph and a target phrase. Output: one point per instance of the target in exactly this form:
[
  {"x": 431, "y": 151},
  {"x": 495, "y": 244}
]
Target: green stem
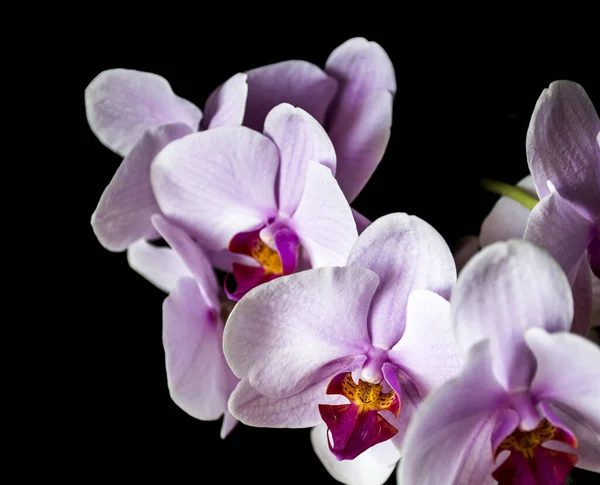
[{"x": 511, "y": 191}]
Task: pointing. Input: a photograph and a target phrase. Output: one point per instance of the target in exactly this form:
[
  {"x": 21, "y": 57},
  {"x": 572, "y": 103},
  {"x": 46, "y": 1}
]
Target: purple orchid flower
[
  {"x": 508, "y": 219},
  {"x": 262, "y": 197},
  {"x": 526, "y": 407},
  {"x": 356, "y": 347},
  {"x": 136, "y": 114},
  {"x": 563, "y": 148},
  {"x": 194, "y": 314}
]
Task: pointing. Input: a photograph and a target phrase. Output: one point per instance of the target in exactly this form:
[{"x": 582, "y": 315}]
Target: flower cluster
[{"x": 288, "y": 308}]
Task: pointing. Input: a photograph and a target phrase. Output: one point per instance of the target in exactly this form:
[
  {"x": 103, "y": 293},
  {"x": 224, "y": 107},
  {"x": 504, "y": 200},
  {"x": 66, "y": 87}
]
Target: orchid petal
[
  {"x": 217, "y": 183},
  {"x": 297, "y": 411},
  {"x": 588, "y": 441},
  {"x": 229, "y": 422},
  {"x": 121, "y": 104},
  {"x": 224, "y": 259},
  {"x": 301, "y": 140},
  {"x": 507, "y": 219},
  {"x": 298, "y": 83},
  {"x": 372, "y": 467},
  {"x": 226, "y": 104},
  {"x": 407, "y": 254},
  {"x": 161, "y": 266},
  {"x": 427, "y": 350},
  {"x": 199, "y": 379},
  {"x": 193, "y": 256},
  {"x": 123, "y": 213},
  {"x": 282, "y": 333},
  {"x": 323, "y": 220},
  {"x": 582, "y": 297},
  {"x": 505, "y": 289},
  {"x": 360, "y": 117},
  {"x": 409, "y": 397},
  {"x": 568, "y": 372},
  {"x": 562, "y": 146},
  {"x": 557, "y": 227},
  {"x": 453, "y": 428}
]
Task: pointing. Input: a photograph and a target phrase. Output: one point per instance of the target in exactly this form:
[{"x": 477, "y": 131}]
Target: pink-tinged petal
[
  {"x": 323, "y": 220},
  {"x": 161, "y": 266},
  {"x": 198, "y": 376},
  {"x": 407, "y": 254},
  {"x": 121, "y": 104},
  {"x": 464, "y": 250},
  {"x": 229, "y": 422},
  {"x": 299, "y": 410},
  {"x": 282, "y": 333},
  {"x": 588, "y": 441},
  {"x": 372, "y": 467},
  {"x": 562, "y": 146},
  {"x": 224, "y": 259},
  {"x": 443, "y": 443},
  {"x": 582, "y": 297},
  {"x": 360, "y": 117},
  {"x": 410, "y": 401},
  {"x": 568, "y": 372},
  {"x": 361, "y": 66},
  {"x": 217, "y": 183},
  {"x": 360, "y": 136},
  {"x": 557, "y": 227},
  {"x": 193, "y": 257},
  {"x": 505, "y": 289},
  {"x": 123, "y": 213},
  {"x": 226, "y": 104},
  {"x": 507, "y": 219},
  {"x": 298, "y": 83},
  {"x": 301, "y": 140},
  {"x": 427, "y": 350},
  {"x": 361, "y": 221}
]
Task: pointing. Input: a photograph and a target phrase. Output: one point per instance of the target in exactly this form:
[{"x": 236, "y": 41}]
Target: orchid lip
[
  {"x": 272, "y": 261},
  {"x": 357, "y": 426},
  {"x": 530, "y": 462}
]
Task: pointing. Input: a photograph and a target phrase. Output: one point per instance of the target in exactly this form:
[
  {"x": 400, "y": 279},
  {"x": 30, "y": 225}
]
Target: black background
[{"x": 460, "y": 113}]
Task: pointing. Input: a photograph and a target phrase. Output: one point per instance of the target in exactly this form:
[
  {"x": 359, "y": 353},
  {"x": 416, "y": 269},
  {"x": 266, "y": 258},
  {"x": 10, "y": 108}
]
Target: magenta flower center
[
  {"x": 530, "y": 463},
  {"x": 272, "y": 261},
  {"x": 357, "y": 426}
]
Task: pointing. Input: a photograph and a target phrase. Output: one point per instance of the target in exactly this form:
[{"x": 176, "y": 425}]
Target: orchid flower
[
  {"x": 508, "y": 219},
  {"x": 199, "y": 379},
  {"x": 563, "y": 153},
  {"x": 354, "y": 347},
  {"x": 261, "y": 197},
  {"x": 136, "y": 114},
  {"x": 526, "y": 407}
]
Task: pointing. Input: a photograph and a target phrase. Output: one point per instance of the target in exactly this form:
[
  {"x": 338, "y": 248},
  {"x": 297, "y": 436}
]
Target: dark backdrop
[{"x": 461, "y": 113}]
